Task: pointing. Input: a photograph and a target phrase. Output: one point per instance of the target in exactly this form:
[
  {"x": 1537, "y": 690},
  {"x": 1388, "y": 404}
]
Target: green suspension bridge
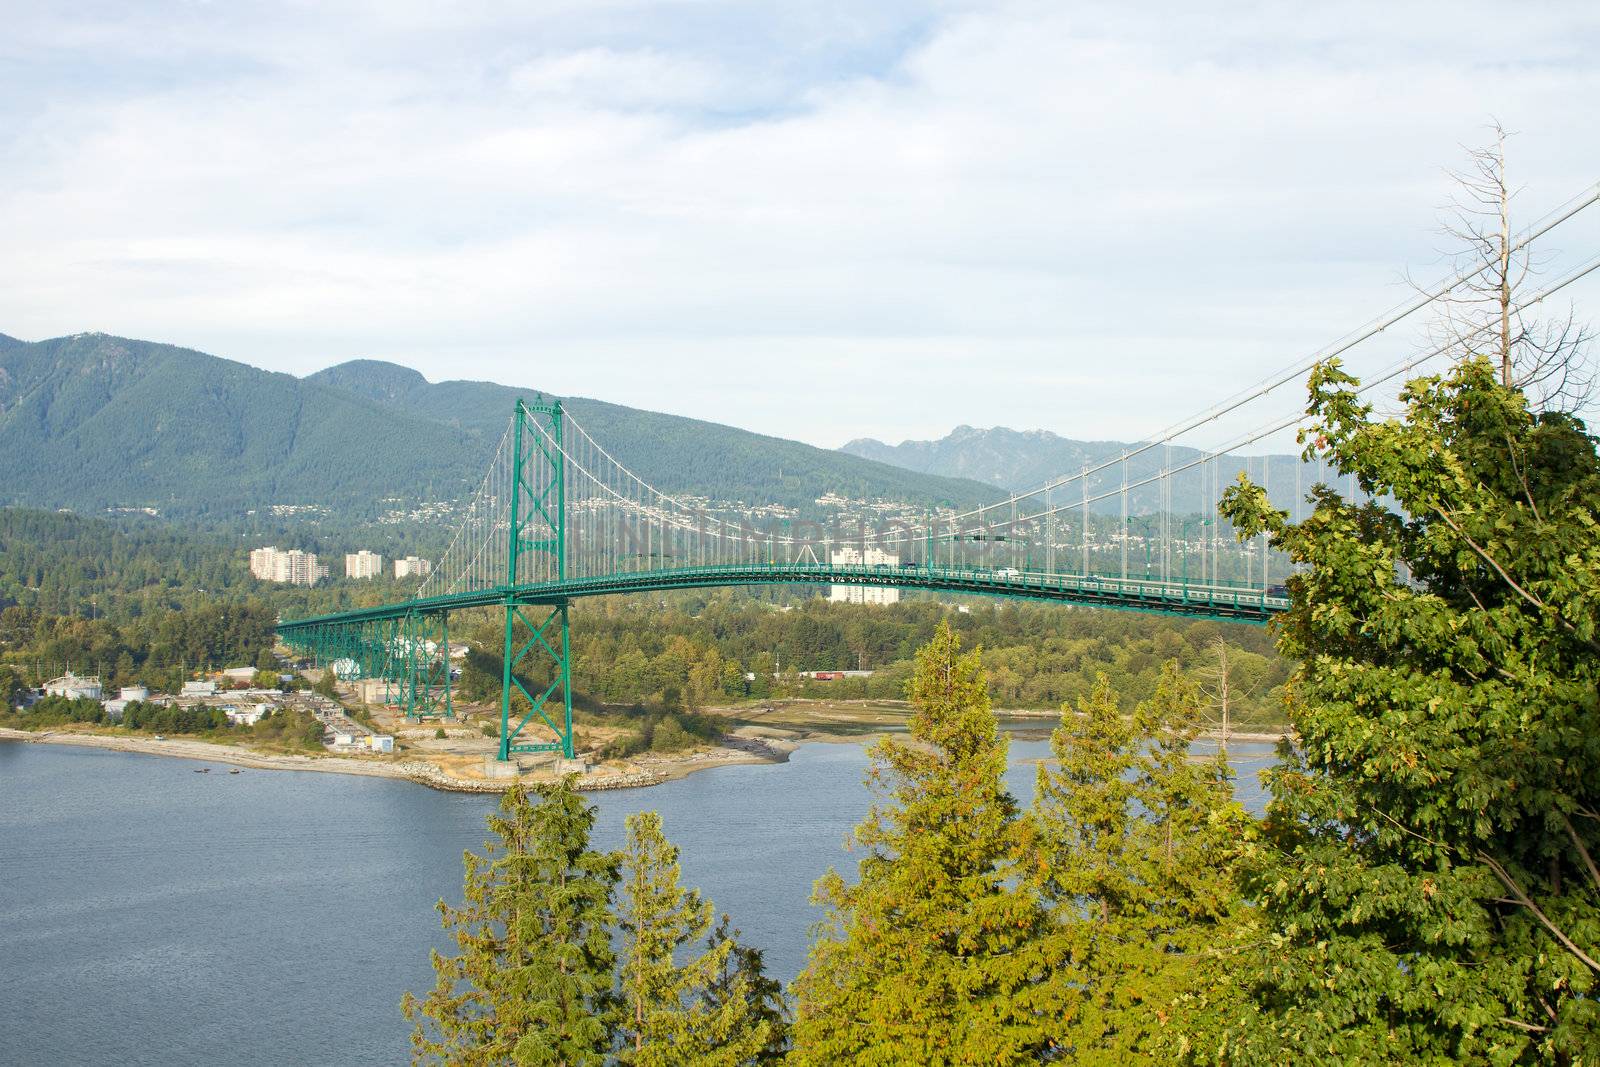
[{"x": 556, "y": 518}]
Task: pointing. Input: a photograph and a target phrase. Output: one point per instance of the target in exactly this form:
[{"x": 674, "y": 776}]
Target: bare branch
[
  {"x": 1588, "y": 861},
  {"x": 1529, "y": 1027},
  {"x": 1512, "y": 582},
  {"x": 1552, "y": 364},
  {"x": 1490, "y": 560},
  {"x": 1544, "y": 920}
]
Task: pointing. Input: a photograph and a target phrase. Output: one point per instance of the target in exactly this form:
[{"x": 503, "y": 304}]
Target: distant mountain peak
[
  {"x": 1023, "y": 460},
  {"x": 997, "y": 455},
  {"x": 375, "y": 379}
]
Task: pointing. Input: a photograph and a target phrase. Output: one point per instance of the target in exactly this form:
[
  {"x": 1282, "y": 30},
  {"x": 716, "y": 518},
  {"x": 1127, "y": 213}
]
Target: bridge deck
[{"x": 1215, "y": 601}]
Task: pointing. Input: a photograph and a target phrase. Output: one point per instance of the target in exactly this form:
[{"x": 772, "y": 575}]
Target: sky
[{"x": 816, "y": 220}]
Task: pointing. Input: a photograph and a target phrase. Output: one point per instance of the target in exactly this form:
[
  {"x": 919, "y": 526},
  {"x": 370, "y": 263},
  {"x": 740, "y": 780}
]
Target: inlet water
[{"x": 152, "y": 915}]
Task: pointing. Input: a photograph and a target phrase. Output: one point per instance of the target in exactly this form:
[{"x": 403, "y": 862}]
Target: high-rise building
[
  {"x": 294, "y": 566},
  {"x": 850, "y": 556},
  {"x": 263, "y": 564},
  {"x": 362, "y": 564},
  {"x": 412, "y": 566}
]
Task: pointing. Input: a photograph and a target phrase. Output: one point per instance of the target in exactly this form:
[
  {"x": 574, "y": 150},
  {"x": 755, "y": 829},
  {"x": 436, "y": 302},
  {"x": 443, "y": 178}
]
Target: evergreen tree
[
  {"x": 668, "y": 1017},
  {"x": 1138, "y": 843},
  {"x": 13, "y": 688},
  {"x": 1430, "y": 882},
  {"x": 744, "y": 974},
  {"x": 532, "y": 980},
  {"x": 934, "y": 956}
]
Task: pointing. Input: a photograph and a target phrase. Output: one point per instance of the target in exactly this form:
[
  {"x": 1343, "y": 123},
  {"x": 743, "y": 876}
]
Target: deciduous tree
[{"x": 1430, "y": 886}]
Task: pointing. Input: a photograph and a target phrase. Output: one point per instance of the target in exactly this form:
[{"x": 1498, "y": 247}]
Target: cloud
[
  {"x": 822, "y": 222},
  {"x": 605, "y": 78}
]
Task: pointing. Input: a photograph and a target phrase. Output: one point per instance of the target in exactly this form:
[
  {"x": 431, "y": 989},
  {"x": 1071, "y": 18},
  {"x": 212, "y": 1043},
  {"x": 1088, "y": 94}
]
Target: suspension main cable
[
  {"x": 1374, "y": 327},
  {"x": 655, "y": 511},
  {"x": 462, "y": 530},
  {"x": 1388, "y": 374}
]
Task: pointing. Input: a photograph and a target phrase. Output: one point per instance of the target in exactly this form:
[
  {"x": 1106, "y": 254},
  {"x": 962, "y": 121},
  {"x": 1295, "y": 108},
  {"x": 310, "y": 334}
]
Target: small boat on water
[
  {"x": 203, "y": 770},
  {"x": 234, "y": 771}
]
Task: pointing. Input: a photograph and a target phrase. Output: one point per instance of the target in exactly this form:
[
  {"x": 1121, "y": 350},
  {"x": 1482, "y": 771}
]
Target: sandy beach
[{"x": 636, "y": 773}]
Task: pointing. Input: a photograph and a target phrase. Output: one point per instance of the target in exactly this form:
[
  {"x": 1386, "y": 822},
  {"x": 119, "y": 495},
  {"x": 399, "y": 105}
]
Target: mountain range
[
  {"x": 1007, "y": 459},
  {"x": 93, "y": 421},
  {"x": 1021, "y": 460}
]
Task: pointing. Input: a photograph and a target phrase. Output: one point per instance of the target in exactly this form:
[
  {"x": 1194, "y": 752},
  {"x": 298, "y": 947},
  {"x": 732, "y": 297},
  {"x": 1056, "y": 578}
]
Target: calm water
[{"x": 152, "y": 915}]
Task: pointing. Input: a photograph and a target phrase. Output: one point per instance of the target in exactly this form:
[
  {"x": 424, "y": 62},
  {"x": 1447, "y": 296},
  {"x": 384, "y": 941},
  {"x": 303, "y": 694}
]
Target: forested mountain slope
[
  {"x": 93, "y": 421},
  {"x": 90, "y": 421},
  {"x": 672, "y": 452}
]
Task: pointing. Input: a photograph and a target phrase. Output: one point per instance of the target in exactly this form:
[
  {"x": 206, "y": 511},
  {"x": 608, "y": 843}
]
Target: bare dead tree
[
  {"x": 1548, "y": 359},
  {"x": 1221, "y": 695}
]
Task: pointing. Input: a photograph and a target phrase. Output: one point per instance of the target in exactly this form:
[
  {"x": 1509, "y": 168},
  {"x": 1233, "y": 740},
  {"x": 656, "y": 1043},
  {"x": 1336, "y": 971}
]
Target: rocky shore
[{"x": 429, "y": 775}]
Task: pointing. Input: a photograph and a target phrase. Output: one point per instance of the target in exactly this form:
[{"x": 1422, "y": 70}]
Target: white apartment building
[
  {"x": 412, "y": 567},
  {"x": 294, "y": 566},
  {"x": 363, "y": 564},
  {"x": 263, "y": 562},
  {"x": 851, "y": 556}
]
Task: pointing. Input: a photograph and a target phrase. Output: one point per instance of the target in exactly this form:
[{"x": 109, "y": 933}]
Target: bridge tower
[
  {"x": 538, "y": 536},
  {"x": 421, "y": 682}
]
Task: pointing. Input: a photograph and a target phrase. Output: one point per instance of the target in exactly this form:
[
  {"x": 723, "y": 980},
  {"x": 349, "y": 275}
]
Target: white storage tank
[
  {"x": 73, "y": 687},
  {"x": 134, "y": 692}
]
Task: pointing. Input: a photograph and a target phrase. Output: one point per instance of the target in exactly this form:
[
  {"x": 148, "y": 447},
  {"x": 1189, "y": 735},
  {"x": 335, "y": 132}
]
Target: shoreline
[
  {"x": 851, "y": 722},
  {"x": 743, "y": 747},
  {"x": 653, "y": 770}
]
